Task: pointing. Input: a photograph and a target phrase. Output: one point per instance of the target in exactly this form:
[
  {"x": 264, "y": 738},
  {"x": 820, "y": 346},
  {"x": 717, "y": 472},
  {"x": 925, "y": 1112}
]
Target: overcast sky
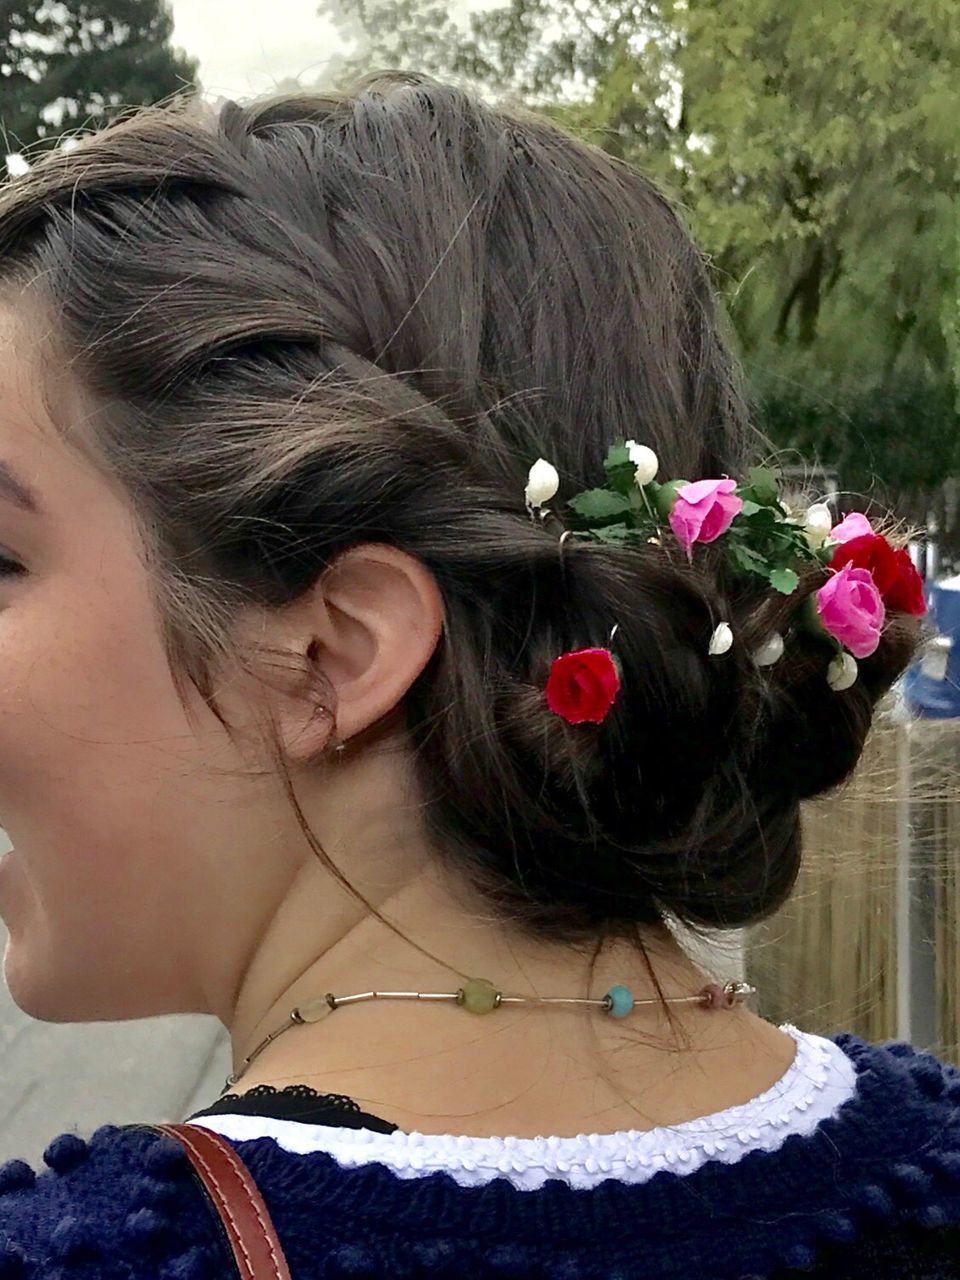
[{"x": 248, "y": 46}]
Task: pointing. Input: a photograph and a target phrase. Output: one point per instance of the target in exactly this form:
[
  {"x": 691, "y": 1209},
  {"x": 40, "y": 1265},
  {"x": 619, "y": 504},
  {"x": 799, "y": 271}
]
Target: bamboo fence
[{"x": 828, "y": 960}]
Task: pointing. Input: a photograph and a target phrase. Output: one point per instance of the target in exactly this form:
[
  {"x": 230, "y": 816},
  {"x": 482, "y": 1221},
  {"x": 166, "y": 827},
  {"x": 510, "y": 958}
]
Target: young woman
[{"x": 322, "y": 677}]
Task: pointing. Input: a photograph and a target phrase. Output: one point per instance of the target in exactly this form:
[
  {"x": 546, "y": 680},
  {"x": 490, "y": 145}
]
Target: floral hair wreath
[{"x": 762, "y": 539}]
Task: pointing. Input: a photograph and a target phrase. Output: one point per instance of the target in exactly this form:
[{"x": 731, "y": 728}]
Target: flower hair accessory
[
  {"x": 542, "y": 483},
  {"x": 583, "y": 685},
  {"x": 760, "y": 539}
]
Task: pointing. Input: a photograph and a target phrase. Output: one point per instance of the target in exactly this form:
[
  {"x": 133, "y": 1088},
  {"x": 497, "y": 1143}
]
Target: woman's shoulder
[
  {"x": 883, "y": 1171},
  {"x": 901, "y": 1125},
  {"x": 123, "y": 1203},
  {"x": 881, "y": 1175}
]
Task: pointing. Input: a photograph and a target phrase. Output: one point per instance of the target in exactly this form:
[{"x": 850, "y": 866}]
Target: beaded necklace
[{"x": 480, "y": 996}]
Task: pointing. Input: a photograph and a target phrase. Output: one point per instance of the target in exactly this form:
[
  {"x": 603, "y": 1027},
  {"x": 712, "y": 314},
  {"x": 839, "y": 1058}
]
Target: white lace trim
[{"x": 816, "y": 1084}]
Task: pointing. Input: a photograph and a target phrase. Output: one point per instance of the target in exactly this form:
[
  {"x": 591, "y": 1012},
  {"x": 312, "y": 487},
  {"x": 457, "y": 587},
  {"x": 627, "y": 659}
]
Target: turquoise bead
[{"x": 621, "y": 1002}]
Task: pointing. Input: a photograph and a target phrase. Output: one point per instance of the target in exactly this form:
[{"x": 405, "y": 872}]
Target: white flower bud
[
  {"x": 645, "y": 460},
  {"x": 542, "y": 483},
  {"x": 818, "y": 522},
  {"x": 842, "y": 672},
  {"x": 819, "y": 516},
  {"x": 721, "y": 641},
  {"x": 770, "y": 652}
]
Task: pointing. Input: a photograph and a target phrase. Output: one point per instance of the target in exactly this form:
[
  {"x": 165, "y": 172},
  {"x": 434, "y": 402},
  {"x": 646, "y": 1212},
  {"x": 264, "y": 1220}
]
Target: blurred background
[{"x": 813, "y": 149}]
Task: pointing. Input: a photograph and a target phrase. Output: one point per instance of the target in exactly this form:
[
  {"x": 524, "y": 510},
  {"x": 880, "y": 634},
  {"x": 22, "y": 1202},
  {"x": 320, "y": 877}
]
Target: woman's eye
[{"x": 10, "y": 568}]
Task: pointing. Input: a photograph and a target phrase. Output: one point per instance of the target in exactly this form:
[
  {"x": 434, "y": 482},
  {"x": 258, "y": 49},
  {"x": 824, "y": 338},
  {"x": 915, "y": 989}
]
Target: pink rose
[
  {"x": 855, "y": 525},
  {"x": 851, "y": 609},
  {"x": 703, "y": 511}
]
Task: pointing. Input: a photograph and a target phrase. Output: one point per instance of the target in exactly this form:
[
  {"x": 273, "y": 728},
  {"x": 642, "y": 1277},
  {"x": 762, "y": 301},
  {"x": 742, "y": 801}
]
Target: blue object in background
[{"x": 931, "y": 686}]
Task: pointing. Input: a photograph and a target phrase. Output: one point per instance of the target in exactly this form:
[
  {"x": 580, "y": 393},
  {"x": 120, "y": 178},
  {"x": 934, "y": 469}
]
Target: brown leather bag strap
[{"x": 236, "y": 1198}]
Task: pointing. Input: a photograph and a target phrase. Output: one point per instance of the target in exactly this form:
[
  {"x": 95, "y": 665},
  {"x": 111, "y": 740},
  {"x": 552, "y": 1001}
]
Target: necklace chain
[{"x": 479, "y": 995}]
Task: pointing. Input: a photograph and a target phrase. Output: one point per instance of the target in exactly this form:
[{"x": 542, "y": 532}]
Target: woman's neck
[{"x": 521, "y": 1070}]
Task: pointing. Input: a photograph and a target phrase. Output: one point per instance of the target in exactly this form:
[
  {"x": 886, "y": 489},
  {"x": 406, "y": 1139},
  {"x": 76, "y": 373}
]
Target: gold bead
[{"x": 479, "y": 995}]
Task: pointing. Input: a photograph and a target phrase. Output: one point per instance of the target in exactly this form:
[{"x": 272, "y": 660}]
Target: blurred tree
[
  {"x": 68, "y": 65},
  {"x": 822, "y": 165},
  {"x": 814, "y": 148}
]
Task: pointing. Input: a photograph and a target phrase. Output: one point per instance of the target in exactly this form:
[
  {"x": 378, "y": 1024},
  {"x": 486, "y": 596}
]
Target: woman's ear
[{"x": 366, "y": 629}]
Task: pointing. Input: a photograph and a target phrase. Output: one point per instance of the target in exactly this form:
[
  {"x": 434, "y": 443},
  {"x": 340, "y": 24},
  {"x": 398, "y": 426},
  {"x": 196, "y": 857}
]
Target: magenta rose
[
  {"x": 851, "y": 610},
  {"x": 855, "y": 525},
  {"x": 703, "y": 511}
]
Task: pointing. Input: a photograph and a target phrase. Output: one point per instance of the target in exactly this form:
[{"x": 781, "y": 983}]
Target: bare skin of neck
[{"x": 520, "y": 1070}]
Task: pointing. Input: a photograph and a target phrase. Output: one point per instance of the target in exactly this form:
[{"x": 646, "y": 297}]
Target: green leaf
[
  {"x": 747, "y": 560},
  {"x": 617, "y": 456},
  {"x": 600, "y": 504},
  {"x": 824, "y": 554},
  {"x": 750, "y": 508},
  {"x": 764, "y": 485},
  {"x": 784, "y": 580},
  {"x": 623, "y": 480},
  {"x": 621, "y": 473},
  {"x": 761, "y": 518},
  {"x": 616, "y": 533}
]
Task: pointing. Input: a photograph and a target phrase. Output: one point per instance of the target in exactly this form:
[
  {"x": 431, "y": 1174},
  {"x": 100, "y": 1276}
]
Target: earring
[{"x": 338, "y": 747}]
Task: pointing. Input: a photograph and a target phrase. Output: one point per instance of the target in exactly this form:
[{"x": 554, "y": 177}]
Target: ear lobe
[{"x": 371, "y": 623}]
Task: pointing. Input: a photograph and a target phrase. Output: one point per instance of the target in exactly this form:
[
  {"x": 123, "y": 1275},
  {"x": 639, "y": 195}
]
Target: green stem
[{"x": 650, "y": 510}]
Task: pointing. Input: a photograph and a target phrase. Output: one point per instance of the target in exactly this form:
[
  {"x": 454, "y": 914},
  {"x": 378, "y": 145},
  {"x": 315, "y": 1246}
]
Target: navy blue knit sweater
[{"x": 873, "y": 1192}]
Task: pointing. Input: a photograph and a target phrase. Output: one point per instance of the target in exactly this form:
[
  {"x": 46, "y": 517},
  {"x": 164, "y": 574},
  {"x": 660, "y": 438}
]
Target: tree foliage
[
  {"x": 68, "y": 65},
  {"x": 814, "y": 148}
]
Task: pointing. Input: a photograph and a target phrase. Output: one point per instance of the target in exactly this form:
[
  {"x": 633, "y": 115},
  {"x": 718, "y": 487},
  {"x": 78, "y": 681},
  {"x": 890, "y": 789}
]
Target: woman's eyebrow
[{"x": 15, "y": 491}]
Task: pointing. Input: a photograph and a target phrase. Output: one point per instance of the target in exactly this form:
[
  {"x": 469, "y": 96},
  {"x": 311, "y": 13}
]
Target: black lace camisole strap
[{"x": 297, "y": 1102}]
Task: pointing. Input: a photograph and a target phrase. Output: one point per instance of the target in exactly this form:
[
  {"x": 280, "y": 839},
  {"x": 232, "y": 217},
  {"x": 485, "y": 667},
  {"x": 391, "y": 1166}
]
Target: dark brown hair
[{"x": 322, "y": 320}]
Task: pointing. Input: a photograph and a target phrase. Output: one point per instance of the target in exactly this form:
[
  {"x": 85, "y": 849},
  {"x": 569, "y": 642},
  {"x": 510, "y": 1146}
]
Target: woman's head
[{"x": 312, "y": 347}]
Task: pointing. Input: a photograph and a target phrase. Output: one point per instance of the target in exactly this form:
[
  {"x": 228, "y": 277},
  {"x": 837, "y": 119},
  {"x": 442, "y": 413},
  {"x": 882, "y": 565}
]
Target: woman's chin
[
  {"x": 22, "y": 991},
  {"x": 39, "y": 1000},
  {"x": 31, "y": 978}
]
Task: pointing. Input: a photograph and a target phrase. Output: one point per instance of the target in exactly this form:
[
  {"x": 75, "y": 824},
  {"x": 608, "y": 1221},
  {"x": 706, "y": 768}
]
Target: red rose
[
  {"x": 582, "y": 685},
  {"x": 898, "y": 582}
]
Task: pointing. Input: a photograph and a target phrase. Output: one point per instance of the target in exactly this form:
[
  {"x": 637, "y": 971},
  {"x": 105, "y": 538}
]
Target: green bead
[
  {"x": 479, "y": 995},
  {"x": 667, "y": 496}
]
